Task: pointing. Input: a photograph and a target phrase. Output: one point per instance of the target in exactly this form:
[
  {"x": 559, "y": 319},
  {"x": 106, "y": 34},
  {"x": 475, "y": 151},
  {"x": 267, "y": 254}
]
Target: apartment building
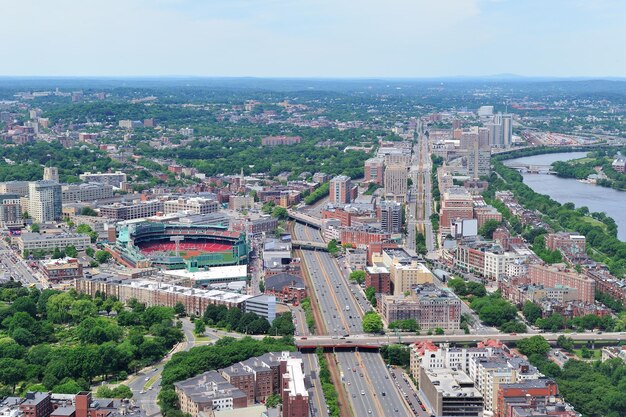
[
  {"x": 559, "y": 274},
  {"x": 430, "y": 306},
  {"x": 45, "y": 202},
  {"x": 390, "y": 215},
  {"x": 280, "y": 140},
  {"x": 10, "y": 211},
  {"x": 339, "y": 190},
  {"x": 62, "y": 269},
  {"x": 374, "y": 170}
]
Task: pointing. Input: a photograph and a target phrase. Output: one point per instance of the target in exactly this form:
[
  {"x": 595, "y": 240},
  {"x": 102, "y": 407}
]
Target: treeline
[
  {"x": 556, "y": 322},
  {"x": 317, "y": 194},
  {"x": 603, "y": 244},
  {"x": 493, "y": 310},
  {"x": 71, "y": 162},
  {"x": 593, "y": 388},
  {"x": 199, "y": 359},
  {"x": 233, "y": 319},
  {"x": 62, "y": 342}
]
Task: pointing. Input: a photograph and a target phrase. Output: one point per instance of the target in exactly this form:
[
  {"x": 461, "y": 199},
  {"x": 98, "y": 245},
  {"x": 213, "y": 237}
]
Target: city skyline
[{"x": 288, "y": 38}]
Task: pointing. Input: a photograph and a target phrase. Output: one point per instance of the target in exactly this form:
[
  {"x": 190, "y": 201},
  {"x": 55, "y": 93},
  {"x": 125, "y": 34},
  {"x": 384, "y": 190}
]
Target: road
[
  {"x": 317, "y": 403},
  {"x": 342, "y": 314},
  {"x": 377, "y": 341},
  {"x": 408, "y": 390},
  {"x": 17, "y": 268}
]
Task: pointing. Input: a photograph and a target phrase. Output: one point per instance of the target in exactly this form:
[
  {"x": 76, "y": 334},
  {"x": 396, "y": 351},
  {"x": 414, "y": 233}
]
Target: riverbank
[{"x": 602, "y": 242}]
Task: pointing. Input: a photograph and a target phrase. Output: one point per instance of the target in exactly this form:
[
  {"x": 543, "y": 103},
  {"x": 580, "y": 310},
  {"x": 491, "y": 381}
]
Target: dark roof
[{"x": 279, "y": 281}]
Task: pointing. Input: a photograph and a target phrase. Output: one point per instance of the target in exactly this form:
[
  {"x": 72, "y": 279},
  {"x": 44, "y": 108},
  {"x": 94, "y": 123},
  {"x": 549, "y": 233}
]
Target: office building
[
  {"x": 478, "y": 159},
  {"x": 390, "y": 215},
  {"x": 194, "y": 205},
  {"x": 75, "y": 193},
  {"x": 374, "y": 170},
  {"x": 116, "y": 179},
  {"x": 430, "y": 306},
  {"x": 339, "y": 190},
  {"x": 51, "y": 174},
  {"x": 396, "y": 182},
  {"x": 262, "y": 305},
  {"x": 132, "y": 210},
  {"x": 35, "y": 241},
  {"x": 456, "y": 203},
  {"x": 450, "y": 393},
  {"x": 560, "y": 275},
  {"x": 10, "y": 211},
  {"x": 45, "y": 201}
]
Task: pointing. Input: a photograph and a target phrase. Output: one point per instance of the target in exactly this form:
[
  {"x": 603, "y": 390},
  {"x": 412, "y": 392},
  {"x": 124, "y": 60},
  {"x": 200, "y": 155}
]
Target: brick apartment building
[
  {"x": 555, "y": 275},
  {"x": 378, "y": 276}
]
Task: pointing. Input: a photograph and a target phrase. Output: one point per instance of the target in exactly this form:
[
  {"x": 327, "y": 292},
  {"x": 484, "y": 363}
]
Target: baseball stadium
[{"x": 176, "y": 246}]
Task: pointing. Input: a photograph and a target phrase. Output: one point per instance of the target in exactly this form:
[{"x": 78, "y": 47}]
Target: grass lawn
[
  {"x": 594, "y": 222},
  {"x": 597, "y": 354}
]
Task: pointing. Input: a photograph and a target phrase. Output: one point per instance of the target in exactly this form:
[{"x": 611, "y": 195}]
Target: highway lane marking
[
  {"x": 334, "y": 296},
  {"x": 370, "y": 384}
]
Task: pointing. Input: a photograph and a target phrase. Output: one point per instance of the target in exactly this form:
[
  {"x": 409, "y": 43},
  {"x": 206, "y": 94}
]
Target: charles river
[{"x": 566, "y": 190}]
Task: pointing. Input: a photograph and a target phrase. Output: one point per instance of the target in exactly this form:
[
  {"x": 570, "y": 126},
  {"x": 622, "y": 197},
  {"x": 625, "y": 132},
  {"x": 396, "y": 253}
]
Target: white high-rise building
[
  {"x": 51, "y": 174},
  {"x": 45, "y": 201},
  {"x": 501, "y": 130}
]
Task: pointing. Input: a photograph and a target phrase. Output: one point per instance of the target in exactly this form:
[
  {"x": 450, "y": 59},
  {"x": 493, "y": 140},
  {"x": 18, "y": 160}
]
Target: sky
[{"x": 313, "y": 38}]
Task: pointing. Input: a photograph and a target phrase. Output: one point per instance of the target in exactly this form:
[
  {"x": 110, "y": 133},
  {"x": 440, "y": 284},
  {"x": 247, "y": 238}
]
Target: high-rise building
[
  {"x": 374, "y": 169},
  {"x": 51, "y": 174},
  {"x": 501, "y": 130},
  {"x": 10, "y": 210},
  {"x": 390, "y": 215},
  {"x": 339, "y": 190},
  {"x": 112, "y": 178},
  {"x": 45, "y": 201},
  {"x": 396, "y": 182},
  {"x": 478, "y": 159}
]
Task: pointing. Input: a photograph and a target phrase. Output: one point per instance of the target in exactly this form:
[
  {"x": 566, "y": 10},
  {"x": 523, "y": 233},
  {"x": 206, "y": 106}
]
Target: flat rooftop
[
  {"x": 212, "y": 274},
  {"x": 452, "y": 383}
]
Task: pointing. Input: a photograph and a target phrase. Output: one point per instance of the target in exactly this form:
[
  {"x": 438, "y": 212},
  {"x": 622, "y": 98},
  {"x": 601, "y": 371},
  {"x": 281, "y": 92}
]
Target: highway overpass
[
  {"x": 303, "y": 244},
  {"x": 375, "y": 342},
  {"x": 305, "y": 219}
]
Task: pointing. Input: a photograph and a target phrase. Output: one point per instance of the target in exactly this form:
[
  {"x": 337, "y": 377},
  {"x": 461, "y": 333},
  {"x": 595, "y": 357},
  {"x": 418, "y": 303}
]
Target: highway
[
  {"x": 317, "y": 404},
  {"x": 342, "y": 316}
]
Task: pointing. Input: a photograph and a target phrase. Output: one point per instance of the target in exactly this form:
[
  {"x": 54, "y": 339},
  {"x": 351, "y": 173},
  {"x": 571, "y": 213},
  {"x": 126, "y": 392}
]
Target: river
[{"x": 566, "y": 190}]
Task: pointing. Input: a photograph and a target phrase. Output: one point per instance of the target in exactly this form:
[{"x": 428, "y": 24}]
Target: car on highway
[{"x": 362, "y": 392}]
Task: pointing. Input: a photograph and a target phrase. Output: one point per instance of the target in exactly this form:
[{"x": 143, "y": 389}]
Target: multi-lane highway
[{"x": 342, "y": 314}]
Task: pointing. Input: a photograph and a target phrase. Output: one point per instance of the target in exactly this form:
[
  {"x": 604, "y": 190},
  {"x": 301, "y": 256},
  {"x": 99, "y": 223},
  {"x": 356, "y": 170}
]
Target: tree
[
  {"x": 68, "y": 387},
  {"x": 534, "y": 345},
  {"x": 90, "y": 252},
  {"x": 566, "y": 343},
  {"x": 35, "y": 228},
  {"x": 439, "y": 331},
  {"x": 88, "y": 211},
  {"x": 179, "y": 309},
  {"x": 332, "y": 247},
  {"x": 487, "y": 229},
  {"x": 103, "y": 256},
  {"x": 57, "y": 254},
  {"x": 58, "y": 308},
  {"x": 71, "y": 251},
  {"x": 199, "y": 327},
  {"x": 357, "y": 276},
  {"x": 372, "y": 323},
  {"x": 12, "y": 371},
  {"x": 82, "y": 309},
  {"x": 531, "y": 311},
  {"x": 273, "y": 400},
  {"x": 370, "y": 294},
  {"x": 280, "y": 213}
]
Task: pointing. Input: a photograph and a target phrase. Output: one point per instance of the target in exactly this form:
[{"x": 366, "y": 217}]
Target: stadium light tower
[{"x": 177, "y": 240}]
